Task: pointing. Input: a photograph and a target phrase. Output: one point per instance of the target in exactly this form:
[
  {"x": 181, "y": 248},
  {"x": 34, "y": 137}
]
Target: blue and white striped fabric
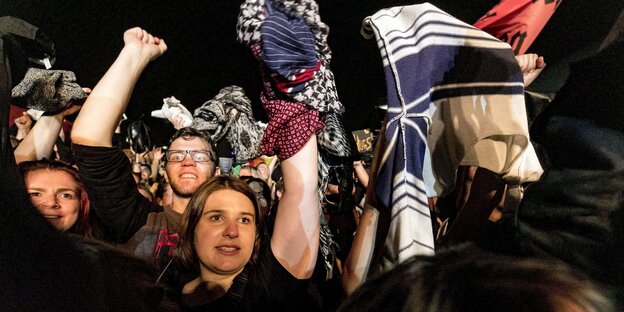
[
  {"x": 288, "y": 44},
  {"x": 449, "y": 87}
]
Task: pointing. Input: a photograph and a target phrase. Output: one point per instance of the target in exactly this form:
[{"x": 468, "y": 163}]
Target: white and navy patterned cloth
[{"x": 450, "y": 88}]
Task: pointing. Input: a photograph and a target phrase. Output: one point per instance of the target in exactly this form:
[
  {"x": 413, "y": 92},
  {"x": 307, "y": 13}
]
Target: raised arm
[
  {"x": 105, "y": 171},
  {"x": 39, "y": 142},
  {"x": 360, "y": 171},
  {"x": 356, "y": 266},
  {"x": 23, "y": 124},
  {"x": 103, "y": 109},
  {"x": 360, "y": 256},
  {"x": 295, "y": 239},
  {"x": 531, "y": 66}
]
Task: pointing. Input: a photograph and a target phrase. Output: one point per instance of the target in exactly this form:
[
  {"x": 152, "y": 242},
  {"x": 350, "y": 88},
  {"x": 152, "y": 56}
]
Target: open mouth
[{"x": 228, "y": 250}]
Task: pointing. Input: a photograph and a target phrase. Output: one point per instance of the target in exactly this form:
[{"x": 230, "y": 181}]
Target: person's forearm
[
  {"x": 295, "y": 239},
  {"x": 361, "y": 173},
  {"x": 40, "y": 140},
  {"x": 358, "y": 260},
  {"x": 155, "y": 166},
  {"x": 105, "y": 105},
  {"x": 21, "y": 133}
]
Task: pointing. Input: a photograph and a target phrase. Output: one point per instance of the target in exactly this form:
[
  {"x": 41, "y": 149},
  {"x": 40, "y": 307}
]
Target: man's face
[
  {"x": 263, "y": 170},
  {"x": 187, "y": 176}
]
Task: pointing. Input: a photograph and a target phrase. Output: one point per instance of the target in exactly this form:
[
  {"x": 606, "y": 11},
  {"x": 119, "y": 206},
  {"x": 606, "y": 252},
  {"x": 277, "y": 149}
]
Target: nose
[
  {"x": 231, "y": 230},
  {"x": 188, "y": 160},
  {"x": 49, "y": 201}
]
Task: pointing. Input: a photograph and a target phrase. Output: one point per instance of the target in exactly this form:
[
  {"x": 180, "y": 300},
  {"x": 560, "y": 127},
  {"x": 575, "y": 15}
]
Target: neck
[
  {"x": 207, "y": 287},
  {"x": 178, "y": 204},
  {"x": 217, "y": 281}
]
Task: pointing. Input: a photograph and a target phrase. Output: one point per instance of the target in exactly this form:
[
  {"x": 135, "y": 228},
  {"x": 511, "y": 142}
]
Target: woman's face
[
  {"x": 225, "y": 234},
  {"x": 56, "y": 195}
]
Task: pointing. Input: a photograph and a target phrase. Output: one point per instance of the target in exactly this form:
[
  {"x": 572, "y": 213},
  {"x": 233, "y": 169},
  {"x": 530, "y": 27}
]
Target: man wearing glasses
[{"x": 142, "y": 227}]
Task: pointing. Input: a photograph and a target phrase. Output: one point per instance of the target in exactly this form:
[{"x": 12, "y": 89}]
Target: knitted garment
[
  {"x": 229, "y": 115},
  {"x": 320, "y": 91},
  {"x": 50, "y": 91}
]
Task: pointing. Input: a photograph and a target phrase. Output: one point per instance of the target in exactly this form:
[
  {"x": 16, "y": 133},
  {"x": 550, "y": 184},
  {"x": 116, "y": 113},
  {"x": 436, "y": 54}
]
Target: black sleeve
[
  {"x": 107, "y": 175},
  {"x": 280, "y": 290}
]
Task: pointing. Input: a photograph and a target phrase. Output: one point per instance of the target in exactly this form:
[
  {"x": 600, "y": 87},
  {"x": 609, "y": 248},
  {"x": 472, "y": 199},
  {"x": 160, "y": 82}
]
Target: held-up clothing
[
  {"x": 455, "y": 98},
  {"x": 129, "y": 219}
]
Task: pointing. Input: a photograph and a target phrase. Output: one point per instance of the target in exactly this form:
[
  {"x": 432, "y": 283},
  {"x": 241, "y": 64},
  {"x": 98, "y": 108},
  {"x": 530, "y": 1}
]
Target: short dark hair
[
  {"x": 188, "y": 133},
  {"x": 466, "y": 278}
]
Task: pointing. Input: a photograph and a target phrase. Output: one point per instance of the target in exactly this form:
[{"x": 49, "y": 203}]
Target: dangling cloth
[
  {"x": 50, "y": 91},
  {"x": 229, "y": 115},
  {"x": 455, "y": 97},
  {"x": 319, "y": 87}
]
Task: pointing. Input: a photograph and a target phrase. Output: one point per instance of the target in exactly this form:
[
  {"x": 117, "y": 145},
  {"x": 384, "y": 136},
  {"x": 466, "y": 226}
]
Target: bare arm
[
  {"x": 158, "y": 154},
  {"x": 39, "y": 142},
  {"x": 23, "y": 124},
  {"x": 103, "y": 109},
  {"x": 359, "y": 258},
  {"x": 357, "y": 264},
  {"x": 295, "y": 239},
  {"x": 360, "y": 171}
]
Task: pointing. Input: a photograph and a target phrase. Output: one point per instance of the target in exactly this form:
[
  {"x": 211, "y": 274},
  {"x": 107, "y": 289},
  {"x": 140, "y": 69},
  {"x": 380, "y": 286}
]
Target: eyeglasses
[{"x": 200, "y": 156}]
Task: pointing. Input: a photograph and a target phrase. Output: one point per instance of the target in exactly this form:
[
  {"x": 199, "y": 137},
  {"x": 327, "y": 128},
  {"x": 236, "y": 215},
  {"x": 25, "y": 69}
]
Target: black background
[{"x": 204, "y": 55}]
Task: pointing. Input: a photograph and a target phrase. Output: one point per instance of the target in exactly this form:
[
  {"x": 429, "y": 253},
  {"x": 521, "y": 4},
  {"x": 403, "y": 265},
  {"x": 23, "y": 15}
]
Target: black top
[
  {"x": 128, "y": 217},
  {"x": 264, "y": 286}
]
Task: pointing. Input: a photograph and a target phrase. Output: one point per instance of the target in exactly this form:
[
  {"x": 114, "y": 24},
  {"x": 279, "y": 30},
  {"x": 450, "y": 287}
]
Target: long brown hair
[
  {"x": 195, "y": 209},
  {"x": 83, "y": 225}
]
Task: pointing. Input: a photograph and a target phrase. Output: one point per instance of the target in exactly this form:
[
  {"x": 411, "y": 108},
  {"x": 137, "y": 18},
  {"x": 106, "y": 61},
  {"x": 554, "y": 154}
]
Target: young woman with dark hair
[{"x": 226, "y": 261}]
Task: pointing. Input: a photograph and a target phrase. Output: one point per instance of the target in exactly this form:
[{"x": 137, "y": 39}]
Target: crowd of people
[{"x": 190, "y": 227}]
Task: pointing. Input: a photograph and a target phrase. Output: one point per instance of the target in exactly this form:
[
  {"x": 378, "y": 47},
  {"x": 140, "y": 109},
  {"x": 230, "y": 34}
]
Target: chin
[{"x": 185, "y": 190}]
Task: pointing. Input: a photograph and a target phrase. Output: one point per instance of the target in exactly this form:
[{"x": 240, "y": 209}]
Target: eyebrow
[
  {"x": 244, "y": 213},
  {"x": 44, "y": 189}
]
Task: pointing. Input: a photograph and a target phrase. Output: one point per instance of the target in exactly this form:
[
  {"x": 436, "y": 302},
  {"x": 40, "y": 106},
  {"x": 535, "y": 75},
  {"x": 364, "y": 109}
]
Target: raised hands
[
  {"x": 100, "y": 114},
  {"x": 23, "y": 124},
  {"x": 531, "y": 66},
  {"x": 148, "y": 45}
]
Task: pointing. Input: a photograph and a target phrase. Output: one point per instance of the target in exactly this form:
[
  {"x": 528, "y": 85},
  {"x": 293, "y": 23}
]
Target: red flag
[{"x": 518, "y": 22}]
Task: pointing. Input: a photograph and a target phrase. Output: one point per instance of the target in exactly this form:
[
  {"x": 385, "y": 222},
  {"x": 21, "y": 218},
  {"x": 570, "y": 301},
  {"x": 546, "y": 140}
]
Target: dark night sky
[{"x": 204, "y": 56}]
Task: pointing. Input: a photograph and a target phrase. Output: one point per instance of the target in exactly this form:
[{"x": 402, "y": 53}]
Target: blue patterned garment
[
  {"x": 447, "y": 85},
  {"x": 318, "y": 89},
  {"x": 287, "y": 44}
]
